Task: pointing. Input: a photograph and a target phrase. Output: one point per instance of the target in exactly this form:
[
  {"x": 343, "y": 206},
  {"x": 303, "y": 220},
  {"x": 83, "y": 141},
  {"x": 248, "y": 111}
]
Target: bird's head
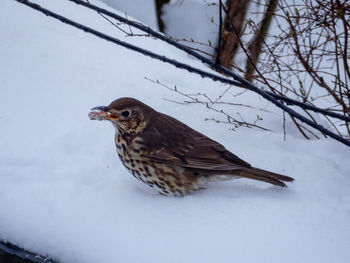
[{"x": 128, "y": 115}]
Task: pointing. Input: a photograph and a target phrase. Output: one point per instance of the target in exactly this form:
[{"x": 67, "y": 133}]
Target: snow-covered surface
[
  {"x": 143, "y": 10},
  {"x": 193, "y": 20},
  {"x": 63, "y": 191}
]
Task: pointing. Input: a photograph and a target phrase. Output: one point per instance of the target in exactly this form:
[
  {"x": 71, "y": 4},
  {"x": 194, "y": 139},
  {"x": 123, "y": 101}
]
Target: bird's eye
[{"x": 125, "y": 113}]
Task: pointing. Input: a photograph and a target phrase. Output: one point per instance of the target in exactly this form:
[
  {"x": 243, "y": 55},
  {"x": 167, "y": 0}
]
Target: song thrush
[{"x": 170, "y": 156}]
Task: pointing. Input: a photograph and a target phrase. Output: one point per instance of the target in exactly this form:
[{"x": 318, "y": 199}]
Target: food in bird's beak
[
  {"x": 102, "y": 113},
  {"x": 98, "y": 113}
]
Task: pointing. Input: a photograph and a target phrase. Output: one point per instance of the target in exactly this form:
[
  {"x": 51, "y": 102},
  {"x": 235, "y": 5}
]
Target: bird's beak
[{"x": 102, "y": 113}]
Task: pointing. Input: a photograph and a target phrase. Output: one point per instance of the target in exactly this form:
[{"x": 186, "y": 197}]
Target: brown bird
[{"x": 168, "y": 155}]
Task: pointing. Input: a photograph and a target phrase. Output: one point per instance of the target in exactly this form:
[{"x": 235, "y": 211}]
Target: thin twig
[{"x": 193, "y": 99}]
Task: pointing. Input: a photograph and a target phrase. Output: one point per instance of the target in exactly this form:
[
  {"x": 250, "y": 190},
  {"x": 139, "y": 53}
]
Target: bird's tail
[{"x": 265, "y": 176}]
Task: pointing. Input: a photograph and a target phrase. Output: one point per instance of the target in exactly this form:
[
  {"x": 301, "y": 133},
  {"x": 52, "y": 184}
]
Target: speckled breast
[{"x": 165, "y": 179}]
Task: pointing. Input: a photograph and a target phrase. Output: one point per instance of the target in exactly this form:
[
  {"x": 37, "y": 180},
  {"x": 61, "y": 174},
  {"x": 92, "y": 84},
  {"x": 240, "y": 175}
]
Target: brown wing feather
[{"x": 173, "y": 142}]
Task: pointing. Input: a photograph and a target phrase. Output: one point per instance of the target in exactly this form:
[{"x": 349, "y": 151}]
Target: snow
[
  {"x": 198, "y": 17},
  {"x": 64, "y": 193},
  {"x": 144, "y": 10}
]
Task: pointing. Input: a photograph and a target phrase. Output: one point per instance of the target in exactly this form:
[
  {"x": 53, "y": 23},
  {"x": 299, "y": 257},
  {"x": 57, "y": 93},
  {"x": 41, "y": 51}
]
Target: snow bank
[{"x": 63, "y": 191}]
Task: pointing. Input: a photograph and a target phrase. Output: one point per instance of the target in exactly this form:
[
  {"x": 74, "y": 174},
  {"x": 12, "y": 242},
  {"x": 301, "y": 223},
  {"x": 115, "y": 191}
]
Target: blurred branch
[
  {"x": 253, "y": 65},
  {"x": 218, "y": 48},
  {"x": 159, "y": 6},
  {"x": 255, "y": 46},
  {"x": 236, "y": 12}
]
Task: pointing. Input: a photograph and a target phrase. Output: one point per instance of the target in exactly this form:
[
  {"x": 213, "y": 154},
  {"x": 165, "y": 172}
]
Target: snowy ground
[{"x": 63, "y": 191}]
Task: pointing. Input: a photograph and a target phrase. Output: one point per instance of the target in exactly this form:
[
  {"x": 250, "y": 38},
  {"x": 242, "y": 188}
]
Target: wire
[
  {"x": 177, "y": 64},
  {"x": 213, "y": 65}
]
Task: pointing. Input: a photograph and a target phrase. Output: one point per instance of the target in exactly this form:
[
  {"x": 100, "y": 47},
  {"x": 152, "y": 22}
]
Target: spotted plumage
[{"x": 169, "y": 156}]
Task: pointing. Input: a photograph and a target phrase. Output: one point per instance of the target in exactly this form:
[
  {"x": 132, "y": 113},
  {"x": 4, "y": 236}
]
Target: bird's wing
[{"x": 173, "y": 142}]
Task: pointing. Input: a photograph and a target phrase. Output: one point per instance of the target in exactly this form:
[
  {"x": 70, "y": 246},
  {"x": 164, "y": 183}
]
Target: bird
[{"x": 170, "y": 156}]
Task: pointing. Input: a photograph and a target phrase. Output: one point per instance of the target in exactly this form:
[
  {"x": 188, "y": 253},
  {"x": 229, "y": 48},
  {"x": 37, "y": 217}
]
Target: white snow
[
  {"x": 143, "y": 10},
  {"x": 193, "y": 20},
  {"x": 64, "y": 193}
]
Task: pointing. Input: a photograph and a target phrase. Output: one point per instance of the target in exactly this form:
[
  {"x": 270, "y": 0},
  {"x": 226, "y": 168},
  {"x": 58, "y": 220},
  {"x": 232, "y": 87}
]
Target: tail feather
[{"x": 265, "y": 176}]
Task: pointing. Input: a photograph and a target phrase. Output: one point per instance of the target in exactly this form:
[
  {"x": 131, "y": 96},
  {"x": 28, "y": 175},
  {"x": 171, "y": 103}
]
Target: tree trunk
[
  {"x": 159, "y": 5},
  {"x": 236, "y": 12},
  {"x": 255, "y": 46}
]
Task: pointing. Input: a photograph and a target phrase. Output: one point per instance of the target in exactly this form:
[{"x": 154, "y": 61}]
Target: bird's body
[
  {"x": 166, "y": 179},
  {"x": 169, "y": 155}
]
